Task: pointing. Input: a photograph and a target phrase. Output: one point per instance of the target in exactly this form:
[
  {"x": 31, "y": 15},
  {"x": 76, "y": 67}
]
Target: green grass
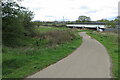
[
  {"x": 110, "y": 41},
  {"x": 22, "y": 61},
  {"x": 85, "y": 30},
  {"x": 43, "y": 29}
]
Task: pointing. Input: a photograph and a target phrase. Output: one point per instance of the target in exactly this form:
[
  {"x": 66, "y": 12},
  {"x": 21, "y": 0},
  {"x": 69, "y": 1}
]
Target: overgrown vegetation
[
  {"x": 16, "y": 23},
  {"x": 47, "y": 23},
  {"x": 110, "y": 41},
  {"x": 44, "y": 29},
  {"x": 39, "y": 52}
]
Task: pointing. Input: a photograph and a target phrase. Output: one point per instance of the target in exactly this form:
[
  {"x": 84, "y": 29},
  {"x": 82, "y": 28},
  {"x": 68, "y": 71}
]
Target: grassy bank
[
  {"x": 110, "y": 41},
  {"x": 36, "y": 54}
]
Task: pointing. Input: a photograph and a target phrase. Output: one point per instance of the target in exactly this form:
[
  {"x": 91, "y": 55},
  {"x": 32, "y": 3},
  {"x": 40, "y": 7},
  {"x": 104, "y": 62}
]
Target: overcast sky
[{"x": 51, "y": 10}]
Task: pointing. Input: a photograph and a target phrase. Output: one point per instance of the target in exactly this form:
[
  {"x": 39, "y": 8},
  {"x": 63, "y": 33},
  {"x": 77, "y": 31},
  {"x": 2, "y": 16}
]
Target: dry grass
[{"x": 53, "y": 38}]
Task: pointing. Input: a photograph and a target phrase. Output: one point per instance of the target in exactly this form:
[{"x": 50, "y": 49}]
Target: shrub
[{"x": 53, "y": 38}]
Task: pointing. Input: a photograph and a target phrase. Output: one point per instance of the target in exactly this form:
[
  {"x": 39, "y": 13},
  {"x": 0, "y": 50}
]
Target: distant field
[
  {"x": 39, "y": 52},
  {"x": 43, "y": 29}
]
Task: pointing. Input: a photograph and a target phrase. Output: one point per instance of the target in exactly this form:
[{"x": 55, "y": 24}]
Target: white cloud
[{"x": 71, "y": 9}]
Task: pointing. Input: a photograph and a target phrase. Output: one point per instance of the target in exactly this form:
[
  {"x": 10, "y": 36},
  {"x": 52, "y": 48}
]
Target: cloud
[
  {"x": 49, "y": 16},
  {"x": 52, "y": 10},
  {"x": 84, "y": 7},
  {"x": 36, "y": 9},
  {"x": 92, "y": 11}
]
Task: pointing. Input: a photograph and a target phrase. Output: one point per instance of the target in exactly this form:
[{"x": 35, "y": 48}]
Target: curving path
[{"x": 90, "y": 60}]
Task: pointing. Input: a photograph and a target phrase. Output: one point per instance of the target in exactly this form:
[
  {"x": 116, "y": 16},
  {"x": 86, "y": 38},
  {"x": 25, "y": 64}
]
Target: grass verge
[{"x": 110, "y": 41}]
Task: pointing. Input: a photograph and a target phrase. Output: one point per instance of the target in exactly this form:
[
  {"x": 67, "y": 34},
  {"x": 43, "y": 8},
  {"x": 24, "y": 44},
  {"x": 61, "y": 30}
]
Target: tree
[
  {"x": 28, "y": 25},
  {"x": 103, "y": 20},
  {"x": 117, "y": 19},
  {"x": 37, "y": 23},
  {"x": 114, "y": 23},
  {"x": 14, "y": 22},
  {"x": 83, "y": 19},
  {"x": 110, "y": 24}
]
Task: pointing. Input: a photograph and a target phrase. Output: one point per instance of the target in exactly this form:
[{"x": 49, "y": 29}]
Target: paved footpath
[{"x": 90, "y": 60}]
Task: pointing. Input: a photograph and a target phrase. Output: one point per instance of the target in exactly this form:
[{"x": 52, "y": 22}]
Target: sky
[{"x": 55, "y": 10}]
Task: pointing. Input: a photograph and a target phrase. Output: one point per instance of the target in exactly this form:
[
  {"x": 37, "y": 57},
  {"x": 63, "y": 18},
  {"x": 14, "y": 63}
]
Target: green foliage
[
  {"x": 21, "y": 62},
  {"x": 52, "y": 36},
  {"x": 56, "y": 37},
  {"x": 12, "y": 28},
  {"x": 110, "y": 24},
  {"x": 83, "y": 19},
  {"x": 85, "y": 30},
  {"x": 28, "y": 25},
  {"x": 103, "y": 20},
  {"x": 37, "y": 23},
  {"x": 15, "y": 23},
  {"x": 52, "y": 24},
  {"x": 117, "y": 19}
]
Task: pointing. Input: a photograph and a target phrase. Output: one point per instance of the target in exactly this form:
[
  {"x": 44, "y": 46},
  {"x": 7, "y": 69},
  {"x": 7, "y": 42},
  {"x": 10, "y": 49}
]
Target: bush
[
  {"x": 55, "y": 37},
  {"x": 16, "y": 22}
]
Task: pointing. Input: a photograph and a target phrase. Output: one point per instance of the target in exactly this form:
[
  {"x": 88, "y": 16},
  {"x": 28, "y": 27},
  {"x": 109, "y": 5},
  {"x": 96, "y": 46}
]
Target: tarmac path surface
[{"x": 90, "y": 60}]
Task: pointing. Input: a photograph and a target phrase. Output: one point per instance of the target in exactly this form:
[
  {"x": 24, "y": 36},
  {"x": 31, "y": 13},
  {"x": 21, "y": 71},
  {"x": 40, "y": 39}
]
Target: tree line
[
  {"x": 109, "y": 23},
  {"x": 81, "y": 19}
]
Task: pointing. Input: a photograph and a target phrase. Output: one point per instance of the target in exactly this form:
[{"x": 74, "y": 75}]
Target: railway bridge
[{"x": 99, "y": 26}]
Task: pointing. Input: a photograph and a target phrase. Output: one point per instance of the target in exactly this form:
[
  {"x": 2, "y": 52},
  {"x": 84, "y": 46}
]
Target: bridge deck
[{"x": 85, "y": 26}]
